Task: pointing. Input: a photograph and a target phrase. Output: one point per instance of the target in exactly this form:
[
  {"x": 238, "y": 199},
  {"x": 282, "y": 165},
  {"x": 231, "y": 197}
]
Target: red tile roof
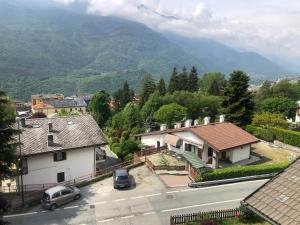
[
  {"x": 222, "y": 136},
  {"x": 41, "y": 106}
]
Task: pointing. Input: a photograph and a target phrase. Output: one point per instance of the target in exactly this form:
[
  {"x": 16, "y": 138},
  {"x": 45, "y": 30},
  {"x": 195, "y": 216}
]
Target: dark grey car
[
  {"x": 121, "y": 178},
  {"x": 59, "y": 195}
]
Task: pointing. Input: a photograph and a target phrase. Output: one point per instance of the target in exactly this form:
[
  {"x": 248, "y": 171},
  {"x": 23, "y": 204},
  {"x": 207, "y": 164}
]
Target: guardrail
[{"x": 232, "y": 180}]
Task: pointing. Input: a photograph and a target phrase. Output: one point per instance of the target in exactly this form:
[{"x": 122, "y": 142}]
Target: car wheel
[
  {"x": 53, "y": 207},
  {"x": 77, "y": 196}
]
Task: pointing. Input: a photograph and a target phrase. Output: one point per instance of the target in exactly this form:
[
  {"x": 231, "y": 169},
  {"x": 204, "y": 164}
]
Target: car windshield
[
  {"x": 122, "y": 178},
  {"x": 70, "y": 188},
  {"x": 46, "y": 196}
]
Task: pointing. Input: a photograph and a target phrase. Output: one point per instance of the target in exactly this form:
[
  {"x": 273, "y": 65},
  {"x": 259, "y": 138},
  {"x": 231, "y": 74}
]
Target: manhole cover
[{"x": 169, "y": 196}]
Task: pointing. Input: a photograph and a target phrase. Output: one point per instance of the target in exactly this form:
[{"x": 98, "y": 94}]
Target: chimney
[
  {"x": 163, "y": 127},
  {"x": 177, "y": 125},
  {"x": 188, "y": 123},
  {"x": 206, "y": 120},
  {"x": 222, "y": 119},
  {"x": 23, "y": 122},
  {"x": 50, "y": 139},
  {"x": 196, "y": 122},
  {"x": 50, "y": 126}
]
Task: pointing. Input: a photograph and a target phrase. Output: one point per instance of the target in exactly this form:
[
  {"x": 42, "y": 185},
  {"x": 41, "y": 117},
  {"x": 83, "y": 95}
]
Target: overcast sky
[{"x": 270, "y": 27}]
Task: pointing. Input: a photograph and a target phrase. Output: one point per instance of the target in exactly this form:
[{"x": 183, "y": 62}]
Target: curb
[{"x": 229, "y": 181}]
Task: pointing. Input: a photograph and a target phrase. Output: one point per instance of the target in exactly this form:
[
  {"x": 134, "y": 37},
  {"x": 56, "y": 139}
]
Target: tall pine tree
[
  {"x": 238, "y": 103},
  {"x": 193, "y": 80},
  {"x": 183, "y": 80},
  {"x": 147, "y": 88},
  {"x": 161, "y": 87},
  {"x": 173, "y": 84}
]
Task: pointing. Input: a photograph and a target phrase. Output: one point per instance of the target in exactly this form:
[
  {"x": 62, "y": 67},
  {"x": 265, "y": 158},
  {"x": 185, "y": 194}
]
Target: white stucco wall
[
  {"x": 43, "y": 169},
  {"x": 240, "y": 153},
  {"x": 297, "y": 118},
  {"x": 190, "y": 137},
  {"x": 151, "y": 140}
]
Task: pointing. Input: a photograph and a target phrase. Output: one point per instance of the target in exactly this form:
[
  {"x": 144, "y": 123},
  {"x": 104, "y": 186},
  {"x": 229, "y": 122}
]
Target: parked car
[
  {"x": 59, "y": 195},
  {"x": 121, "y": 178}
]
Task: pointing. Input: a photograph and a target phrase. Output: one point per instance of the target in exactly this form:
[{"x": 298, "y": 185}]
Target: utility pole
[{"x": 20, "y": 163}]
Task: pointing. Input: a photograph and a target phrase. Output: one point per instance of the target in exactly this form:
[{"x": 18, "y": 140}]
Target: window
[
  {"x": 66, "y": 191},
  {"x": 187, "y": 147},
  {"x": 210, "y": 152},
  {"x": 59, "y": 156},
  {"x": 55, "y": 195},
  {"x": 61, "y": 177},
  {"x": 71, "y": 110},
  {"x": 242, "y": 147}
]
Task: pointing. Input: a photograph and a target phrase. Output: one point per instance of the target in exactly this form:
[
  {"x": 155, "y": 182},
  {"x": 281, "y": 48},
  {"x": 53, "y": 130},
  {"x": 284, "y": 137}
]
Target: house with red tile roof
[{"x": 211, "y": 143}]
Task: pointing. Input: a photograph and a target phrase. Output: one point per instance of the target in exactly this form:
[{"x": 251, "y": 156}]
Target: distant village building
[
  {"x": 59, "y": 149},
  {"x": 297, "y": 116},
  {"x": 211, "y": 143},
  {"x": 54, "y": 103}
]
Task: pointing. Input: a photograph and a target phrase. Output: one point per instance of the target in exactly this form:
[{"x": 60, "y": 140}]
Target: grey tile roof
[
  {"x": 68, "y": 133},
  {"x": 279, "y": 199},
  {"x": 67, "y": 102}
]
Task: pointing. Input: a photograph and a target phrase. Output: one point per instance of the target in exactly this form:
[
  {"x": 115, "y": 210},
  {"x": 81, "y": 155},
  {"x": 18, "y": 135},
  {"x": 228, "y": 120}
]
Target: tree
[
  {"x": 126, "y": 95},
  {"x": 7, "y": 144},
  {"x": 265, "y": 91},
  {"x": 212, "y": 83},
  {"x": 183, "y": 80},
  {"x": 173, "y": 83},
  {"x": 147, "y": 88},
  {"x": 238, "y": 103},
  {"x": 279, "y": 105},
  {"x": 131, "y": 116},
  {"x": 152, "y": 105},
  {"x": 99, "y": 107},
  {"x": 266, "y": 119},
  {"x": 193, "y": 80},
  {"x": 170, "y": 114},
  {"x": 284, "y": 89},
  {"x": 161, "y": 87}
]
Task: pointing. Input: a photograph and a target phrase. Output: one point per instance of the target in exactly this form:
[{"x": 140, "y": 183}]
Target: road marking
[
  {"x": 148, "y": 213},
  {"x": 205, "y": 204},
  {"x": 104, "y": 221},
  {"x": 153, "y": 195},
  {"x": 127, "y": 217},
  {"x": 121, "y": 199},
  {"x": 43, "y": 211},
  {"x": 97, "y": 203},
  {"x": 72, "y": 207},
  {"x": 170, "y": 192},
  {"x": 186, "y": 190},
  {"x": 137, "y": 197},
  {"x": 21, "y": 214}
]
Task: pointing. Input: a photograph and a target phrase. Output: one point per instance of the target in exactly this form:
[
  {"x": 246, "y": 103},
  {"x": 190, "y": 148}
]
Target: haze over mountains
[{"x": 47, "y": 48}]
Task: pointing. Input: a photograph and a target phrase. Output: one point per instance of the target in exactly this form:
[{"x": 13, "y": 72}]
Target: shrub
[
  {"x": 241, "y": 171},
  {"x": 271, "y": 133},
  {"x": 286, "y": 136}
]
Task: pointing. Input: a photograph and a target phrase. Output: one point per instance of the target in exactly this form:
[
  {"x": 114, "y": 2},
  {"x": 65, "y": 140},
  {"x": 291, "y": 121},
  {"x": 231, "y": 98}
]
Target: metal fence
[{"x": 202, "y": 216}]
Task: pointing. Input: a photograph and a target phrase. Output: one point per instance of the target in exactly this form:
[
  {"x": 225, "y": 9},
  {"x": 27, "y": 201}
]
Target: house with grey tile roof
[
  {"x": 59, "y": 149},
  {"x": 278, "y": 200}
]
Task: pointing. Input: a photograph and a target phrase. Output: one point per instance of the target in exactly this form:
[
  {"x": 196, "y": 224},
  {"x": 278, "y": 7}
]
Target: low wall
[{"x": 286, "y": 146}]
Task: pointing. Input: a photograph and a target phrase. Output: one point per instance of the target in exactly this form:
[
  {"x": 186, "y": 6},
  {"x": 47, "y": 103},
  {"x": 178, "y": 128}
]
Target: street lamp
[{"x": 20, "y": 164}]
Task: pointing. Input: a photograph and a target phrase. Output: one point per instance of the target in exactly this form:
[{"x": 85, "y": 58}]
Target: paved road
[{"x": 149, "y": 202}]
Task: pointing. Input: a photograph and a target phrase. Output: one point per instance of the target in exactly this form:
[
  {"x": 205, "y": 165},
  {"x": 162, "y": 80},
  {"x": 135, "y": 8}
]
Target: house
[
  {"x": 54, "y": 103},
  {"x": 212, "y": 142},
  {"x": 297, "y": 116},
  {"x": 277, "y": 201},
  {"x": 59, "y": 149}
]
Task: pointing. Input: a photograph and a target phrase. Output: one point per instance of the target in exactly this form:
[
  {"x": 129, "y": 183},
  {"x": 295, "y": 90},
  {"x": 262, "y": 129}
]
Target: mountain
[
  {"x": 214, "y": 56},
  {"x": 46, "y": 47}
]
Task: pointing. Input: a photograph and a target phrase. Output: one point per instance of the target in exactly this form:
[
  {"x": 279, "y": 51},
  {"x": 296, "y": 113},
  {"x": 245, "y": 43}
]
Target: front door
[
  {"x": 200, "y": 153},
  {"x": 223, "y": 156},
  {"x": 158, "y": 145}
]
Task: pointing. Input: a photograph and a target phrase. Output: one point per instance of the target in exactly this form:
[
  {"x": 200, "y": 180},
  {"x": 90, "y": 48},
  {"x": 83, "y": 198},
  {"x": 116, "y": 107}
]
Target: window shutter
[
  {"x": 54, "y": 157},
  {"x": 64, "y": 155}
]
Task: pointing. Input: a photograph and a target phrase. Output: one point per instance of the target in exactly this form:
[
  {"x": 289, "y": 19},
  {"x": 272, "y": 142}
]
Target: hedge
[
  {"x": 273, "y": 133},
  {"x": 242, "y": 171},
  {"x": 286, "y": 136}
]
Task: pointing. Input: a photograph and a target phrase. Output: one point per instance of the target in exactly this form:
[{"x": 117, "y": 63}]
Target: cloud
[{"x": 270, "y": 28}]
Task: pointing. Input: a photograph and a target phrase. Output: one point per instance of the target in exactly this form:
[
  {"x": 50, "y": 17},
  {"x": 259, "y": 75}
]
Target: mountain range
[{"x": 49, "y": 48}]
